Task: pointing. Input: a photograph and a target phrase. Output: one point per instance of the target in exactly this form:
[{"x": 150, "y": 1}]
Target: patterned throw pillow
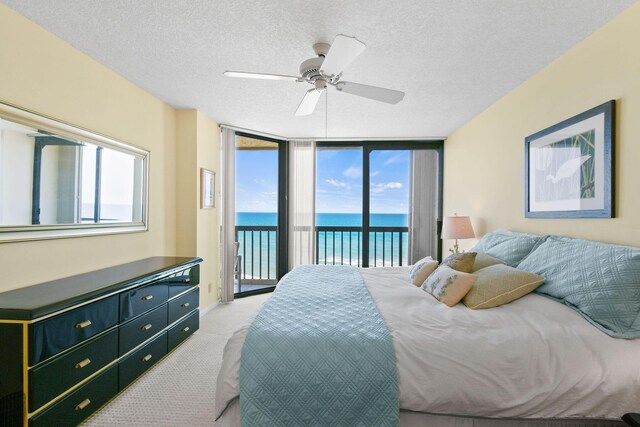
[
  {"x": 449, "y": 286},
  {"x": 483, "y": 260},
  {"x": 462, "y": 261},
  {"x": 500, "y": 284},
  {"x": 422, "y": 269}
]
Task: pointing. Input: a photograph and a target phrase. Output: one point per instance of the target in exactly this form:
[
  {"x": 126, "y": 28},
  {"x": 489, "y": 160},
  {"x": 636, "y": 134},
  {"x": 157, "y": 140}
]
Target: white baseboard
[{"x": 208, "y": 308}]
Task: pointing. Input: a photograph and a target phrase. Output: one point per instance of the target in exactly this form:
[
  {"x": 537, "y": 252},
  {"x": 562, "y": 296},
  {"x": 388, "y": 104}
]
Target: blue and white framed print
[{"x": 569, "y": 167}]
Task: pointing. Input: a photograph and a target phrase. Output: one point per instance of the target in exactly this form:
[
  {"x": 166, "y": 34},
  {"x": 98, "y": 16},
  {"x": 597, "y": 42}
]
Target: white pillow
[
  {"x": 422, "y": 269},
  {"x": 449, "y": 286}
]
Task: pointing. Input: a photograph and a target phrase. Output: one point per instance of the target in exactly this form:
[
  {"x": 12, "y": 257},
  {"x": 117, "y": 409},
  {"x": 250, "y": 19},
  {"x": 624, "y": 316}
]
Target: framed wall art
[
  {"x": 207, "y": 189},
  {"x": 569, "y": 167}
]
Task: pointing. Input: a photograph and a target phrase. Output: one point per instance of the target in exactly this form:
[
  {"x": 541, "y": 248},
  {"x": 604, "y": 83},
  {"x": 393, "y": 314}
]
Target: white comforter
[{"x": 532, "y": 358}]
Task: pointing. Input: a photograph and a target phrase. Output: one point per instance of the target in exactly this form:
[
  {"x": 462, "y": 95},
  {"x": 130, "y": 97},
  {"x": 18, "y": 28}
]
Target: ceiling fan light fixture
[{"x": 326, "y": 69}]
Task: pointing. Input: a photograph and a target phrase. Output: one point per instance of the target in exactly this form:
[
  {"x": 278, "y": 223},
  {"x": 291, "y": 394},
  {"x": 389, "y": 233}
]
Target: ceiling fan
[{"x": 326, "y": 70}]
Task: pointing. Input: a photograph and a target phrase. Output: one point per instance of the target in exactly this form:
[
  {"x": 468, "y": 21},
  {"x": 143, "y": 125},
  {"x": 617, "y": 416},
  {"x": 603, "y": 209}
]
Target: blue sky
[
  {"x": 339, "y": 181},
  {"x": 256, "y": 180},
  {"x": 338, "y": 177}
]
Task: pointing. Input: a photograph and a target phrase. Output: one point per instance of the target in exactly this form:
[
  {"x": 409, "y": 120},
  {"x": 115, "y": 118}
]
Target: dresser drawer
[
  {"x": 182, "y": 281},
  {"x": 49, "y": 337},
  {"x": 140, "y": 300},
  {"x": 183, "y": 329},
  {"x": 80, "y": 404},
  {"x": 137, "y": 331},
  {"x": 140, "y": 360},
  {"x": 183, "y": 305},
  {"x": 61, "y": 373}
]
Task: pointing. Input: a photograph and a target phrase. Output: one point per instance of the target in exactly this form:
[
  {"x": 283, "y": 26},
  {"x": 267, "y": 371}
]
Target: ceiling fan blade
[
  {"x": 342, "y": 52},
  {"x": 389, "y": 96},
  {"x": 308, "y": 103},
  {"x": 265, "y": 76}
]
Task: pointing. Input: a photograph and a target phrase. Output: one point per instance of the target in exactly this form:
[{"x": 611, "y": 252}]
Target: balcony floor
[{"x": 247, "y": 286}]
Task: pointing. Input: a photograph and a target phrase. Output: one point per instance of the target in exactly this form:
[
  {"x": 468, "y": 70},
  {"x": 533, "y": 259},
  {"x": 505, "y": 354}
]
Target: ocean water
[
  {"x": 326, "y": 219},
  {"x": 259, "y": 248}
]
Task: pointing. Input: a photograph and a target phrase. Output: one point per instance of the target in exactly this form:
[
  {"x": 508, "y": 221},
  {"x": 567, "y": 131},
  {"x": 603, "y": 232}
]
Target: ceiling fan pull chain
[{"x": 326, "y": 114}]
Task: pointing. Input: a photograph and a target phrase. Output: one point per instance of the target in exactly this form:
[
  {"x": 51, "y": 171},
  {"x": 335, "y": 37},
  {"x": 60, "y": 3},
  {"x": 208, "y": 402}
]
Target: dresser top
[{"x": 35, "y": 301}]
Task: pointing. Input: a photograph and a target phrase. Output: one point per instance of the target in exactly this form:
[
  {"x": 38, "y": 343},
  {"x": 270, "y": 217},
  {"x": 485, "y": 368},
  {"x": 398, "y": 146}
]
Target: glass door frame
[
  {"x": 282, "y": 264},
  {"x": 369, "y": 146}
]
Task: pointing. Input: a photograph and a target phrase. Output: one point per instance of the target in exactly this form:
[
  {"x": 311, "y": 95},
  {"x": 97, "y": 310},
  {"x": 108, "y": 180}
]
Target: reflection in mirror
[{"x": 49, "y": 179}]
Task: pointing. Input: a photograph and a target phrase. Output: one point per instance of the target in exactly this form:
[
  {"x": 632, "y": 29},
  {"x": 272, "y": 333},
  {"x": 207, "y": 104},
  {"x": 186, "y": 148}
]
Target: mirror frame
[{"x": 57, "y": 231}]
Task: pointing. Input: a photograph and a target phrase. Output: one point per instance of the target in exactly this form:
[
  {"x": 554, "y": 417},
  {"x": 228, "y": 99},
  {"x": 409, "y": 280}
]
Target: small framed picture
[
  {"x": 569, "y": 167},
  {"x": 207, "y": 187}
]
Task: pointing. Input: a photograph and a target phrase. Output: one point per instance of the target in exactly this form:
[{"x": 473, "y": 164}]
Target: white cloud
[
  {"x": 339, "y": 184},
  {"x": 353, "y": 172},
  {"x": 393, "y": 159},
  {"x": 375, "y": 173},
  {"x": 382, "y": 186},
  {"x": 269, "y": 193}
]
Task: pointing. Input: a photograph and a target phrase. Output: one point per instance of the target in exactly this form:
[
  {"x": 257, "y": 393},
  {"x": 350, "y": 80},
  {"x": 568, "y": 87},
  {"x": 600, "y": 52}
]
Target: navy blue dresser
[{"x": 67, "y": 347}]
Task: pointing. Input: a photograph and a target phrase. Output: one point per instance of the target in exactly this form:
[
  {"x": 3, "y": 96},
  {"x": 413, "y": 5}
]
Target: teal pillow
[
  {"x": 599, "y": 280},
  {"x": 508, "y": 246}
]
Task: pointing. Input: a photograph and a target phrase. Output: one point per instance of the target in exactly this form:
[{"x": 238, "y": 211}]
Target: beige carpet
[{"x": 180, "y": 390}]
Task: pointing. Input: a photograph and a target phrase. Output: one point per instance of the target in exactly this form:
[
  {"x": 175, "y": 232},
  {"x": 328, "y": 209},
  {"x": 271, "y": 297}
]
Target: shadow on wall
[{"x": 479, "y": 226}]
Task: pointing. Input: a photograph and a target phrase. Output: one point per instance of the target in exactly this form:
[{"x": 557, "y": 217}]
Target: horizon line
[{"x": 339, "y": 213}]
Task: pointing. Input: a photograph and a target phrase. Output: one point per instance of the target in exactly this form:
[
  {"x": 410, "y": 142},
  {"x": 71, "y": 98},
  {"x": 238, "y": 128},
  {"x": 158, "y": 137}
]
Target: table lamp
[{"x": 457, "y": 227}]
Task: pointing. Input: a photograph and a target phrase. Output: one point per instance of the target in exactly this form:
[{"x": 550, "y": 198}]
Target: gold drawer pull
[
  {"x": 81, "y": 364},
  {"x": 147, "y": 297},
  {"x": 83, "y": 405},
  {"x": 186, "y": 304},
  {"x": 83, "y": 325},
  {"x": 186, "y": 329},
  {"x": 146, "y": 358},
  {"x": 146, "y": 327}
]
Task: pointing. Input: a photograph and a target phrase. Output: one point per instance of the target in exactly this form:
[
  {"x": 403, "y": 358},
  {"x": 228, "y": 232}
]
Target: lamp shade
[{"x": 457, "y": 227}]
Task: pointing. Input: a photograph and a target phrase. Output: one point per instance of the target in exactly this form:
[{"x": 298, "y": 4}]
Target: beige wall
[
  {"x": 186, "y": 182},
  {"x": 208, "y": 220},
  {"x": 44, "y": 74},
  {"x": 198, "y": 229},
  {"x": 484, "y": 160}
]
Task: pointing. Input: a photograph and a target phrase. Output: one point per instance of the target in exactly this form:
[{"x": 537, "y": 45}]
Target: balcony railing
[
  {"x": 257, "y": 251},
  {"x": 335, "y": 245}
]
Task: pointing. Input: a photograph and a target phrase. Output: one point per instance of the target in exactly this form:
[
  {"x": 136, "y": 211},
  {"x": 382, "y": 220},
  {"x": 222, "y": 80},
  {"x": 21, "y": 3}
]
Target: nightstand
[{"x": 632, "y": 419}]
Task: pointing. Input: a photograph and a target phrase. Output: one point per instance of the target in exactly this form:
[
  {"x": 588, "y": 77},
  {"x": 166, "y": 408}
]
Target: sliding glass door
[
  {"x": 404, "y": 191},
  {"x": 339, "y": 205},
  {"x": 389, "y": 203},
  {"x": 258, "y": 214},
  {"x": 378, "y": 204}
]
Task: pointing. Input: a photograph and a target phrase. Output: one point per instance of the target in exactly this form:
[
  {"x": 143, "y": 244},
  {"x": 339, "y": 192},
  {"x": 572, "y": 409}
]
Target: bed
[{"x": 531, "y": 362}]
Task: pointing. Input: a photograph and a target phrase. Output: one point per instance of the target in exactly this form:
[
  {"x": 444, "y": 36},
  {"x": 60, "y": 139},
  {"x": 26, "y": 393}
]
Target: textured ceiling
[{"x": 453, "y": 58}]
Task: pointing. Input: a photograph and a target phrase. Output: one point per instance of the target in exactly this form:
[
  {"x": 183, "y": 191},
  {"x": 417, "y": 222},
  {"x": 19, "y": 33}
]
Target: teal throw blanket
[{"x": 319, "y": 354}]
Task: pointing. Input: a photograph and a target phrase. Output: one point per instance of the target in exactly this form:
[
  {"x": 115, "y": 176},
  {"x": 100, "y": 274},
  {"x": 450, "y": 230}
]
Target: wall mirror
[{"x": 57, "y": 180}]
